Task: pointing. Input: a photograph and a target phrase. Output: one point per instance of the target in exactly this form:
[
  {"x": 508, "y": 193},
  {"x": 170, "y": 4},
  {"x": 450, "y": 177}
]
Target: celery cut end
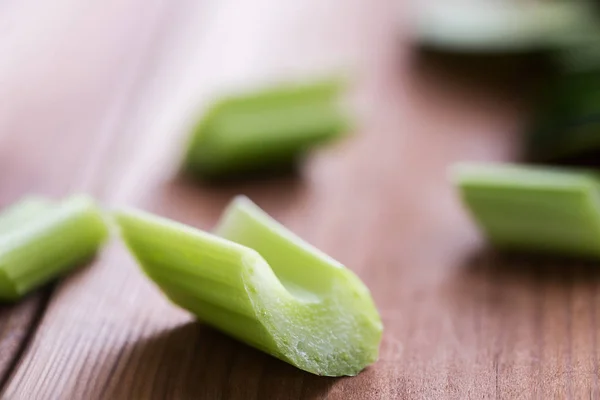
[
  {"x": 263, "y": 285},
  {"x": 41, "y": 240},
  {"x": 534, "y": 209}
]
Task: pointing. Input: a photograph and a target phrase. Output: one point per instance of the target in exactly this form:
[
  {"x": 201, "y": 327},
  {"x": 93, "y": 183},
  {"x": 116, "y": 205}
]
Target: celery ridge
[
  {"x": 265, "y": 129},
  {"x": 41, "y": 240},
  {"x": 534, "y": 209},
  {"x": 259, "y": 283}
]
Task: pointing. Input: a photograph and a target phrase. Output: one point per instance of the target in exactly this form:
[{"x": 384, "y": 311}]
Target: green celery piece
[
  {"x": 534, "y": 209},
  {"x": 44, "y": 241},
  {"x": 263, "y": 285},
  {"x": 23, "y": 211},
  {"x": 488, "y": 26},
  {"x": 266, "y": 129}
]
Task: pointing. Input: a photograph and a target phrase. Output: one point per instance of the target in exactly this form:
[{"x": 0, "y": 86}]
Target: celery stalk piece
[
  {"x": 262, "y": 285},
  {"x": 488, "y": 26},
  {"x": 23, "y": 211},
  {"x": 533, "y": 209},
  {"x": 267, "y": 129},
  {"x": 48, "y": 241}
]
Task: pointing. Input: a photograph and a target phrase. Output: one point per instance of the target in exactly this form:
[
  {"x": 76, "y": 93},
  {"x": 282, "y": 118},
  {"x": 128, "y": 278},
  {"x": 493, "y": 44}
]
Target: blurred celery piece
[
  {"x": 533, "y": 209},
  {"x": 22, "y": 212},
  {"x": 40, "y": 240},
  {"x": 263, "y": 285},
  {"x": 482, "y": 26},
  {"x": 265, "y": 129}
]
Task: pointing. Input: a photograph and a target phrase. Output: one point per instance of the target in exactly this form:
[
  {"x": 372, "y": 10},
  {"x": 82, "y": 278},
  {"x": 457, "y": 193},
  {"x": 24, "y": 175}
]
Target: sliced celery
[
  {"x": 486, "y": 26},
  {"x": 545, "y": 210},
  {"x": 263, "y": 285},
  {"x": 20, "y": 213},
  {"x": 266, "y": 129},
  {"x": 40, "y": 241}
]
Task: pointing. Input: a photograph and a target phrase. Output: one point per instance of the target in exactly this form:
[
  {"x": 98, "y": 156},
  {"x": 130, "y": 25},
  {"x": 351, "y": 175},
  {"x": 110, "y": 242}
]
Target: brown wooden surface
[{"x": 96, "y": 97}]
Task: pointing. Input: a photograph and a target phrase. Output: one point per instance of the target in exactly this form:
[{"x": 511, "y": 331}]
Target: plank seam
[{"x": 27, "y": 339}]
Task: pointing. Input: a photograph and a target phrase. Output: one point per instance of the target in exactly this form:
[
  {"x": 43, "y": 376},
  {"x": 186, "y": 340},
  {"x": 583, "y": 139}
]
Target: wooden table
[{"x": 96, "y": 96}]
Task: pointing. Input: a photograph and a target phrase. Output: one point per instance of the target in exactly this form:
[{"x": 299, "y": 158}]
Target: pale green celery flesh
[
  {"x": 534, "y": 209},
  {"x": 23, "y": 211},
  {"x": 502, "y": 27},
  {"x": 323, "y": 89},
  {"x": 196, "y": 270},
  {"x": 270, "y": 289},
  {"x": 268, "y": 129},
  {"x": 47, "y": 244}
]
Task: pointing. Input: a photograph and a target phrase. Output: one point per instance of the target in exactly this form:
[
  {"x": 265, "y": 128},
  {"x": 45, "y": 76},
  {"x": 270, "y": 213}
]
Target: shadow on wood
[
  {"x": 503, "y": 73},
  {"x": 266, "y": 174},
  {"x": 187, "y": 200},
  {"x": 508, "y": 289},
  {"x": 532, "y": 268},
  {"x": 194, "y": 361}
]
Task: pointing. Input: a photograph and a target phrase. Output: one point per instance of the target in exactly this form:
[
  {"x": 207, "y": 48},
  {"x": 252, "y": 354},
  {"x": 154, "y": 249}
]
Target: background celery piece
[
  {"x": 23, "y": 211},
  {"x": 265, "y": 129},
  {"x": 488, "y": 26},
  {"x": 533, "y": 209},
  {"x": 44, "y": 241},
  {"x": 270, "y": 290}
]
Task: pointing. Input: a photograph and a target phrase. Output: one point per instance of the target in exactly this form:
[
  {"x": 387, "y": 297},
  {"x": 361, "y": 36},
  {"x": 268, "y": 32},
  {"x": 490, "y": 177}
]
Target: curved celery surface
[
  {"x": 265, "y": 129},
  {"x": 22, "y": 212},
  {"x": 40, "y": 241},
  {"x": 263, "y": 285},
  {"x": 546, "y": 210},
  {"x": 502, "y": 27}
]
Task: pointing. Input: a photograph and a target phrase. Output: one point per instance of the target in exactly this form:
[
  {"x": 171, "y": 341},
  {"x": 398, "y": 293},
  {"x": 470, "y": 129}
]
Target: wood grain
[
  {"x": 57, "y": 116},
  {"x": 460, "y": 322}
]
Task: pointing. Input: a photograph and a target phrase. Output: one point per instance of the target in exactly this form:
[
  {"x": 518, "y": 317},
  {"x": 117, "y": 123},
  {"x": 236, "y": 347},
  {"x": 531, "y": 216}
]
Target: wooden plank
[
  {"x": 459, "y": 323},
  {"x": 147, "y": 161},
  {"x": 62, "y": 87}
]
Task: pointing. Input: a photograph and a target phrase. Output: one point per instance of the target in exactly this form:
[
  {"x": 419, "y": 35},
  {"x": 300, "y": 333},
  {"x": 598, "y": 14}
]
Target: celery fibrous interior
[{"x": 258, "y": 282}]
